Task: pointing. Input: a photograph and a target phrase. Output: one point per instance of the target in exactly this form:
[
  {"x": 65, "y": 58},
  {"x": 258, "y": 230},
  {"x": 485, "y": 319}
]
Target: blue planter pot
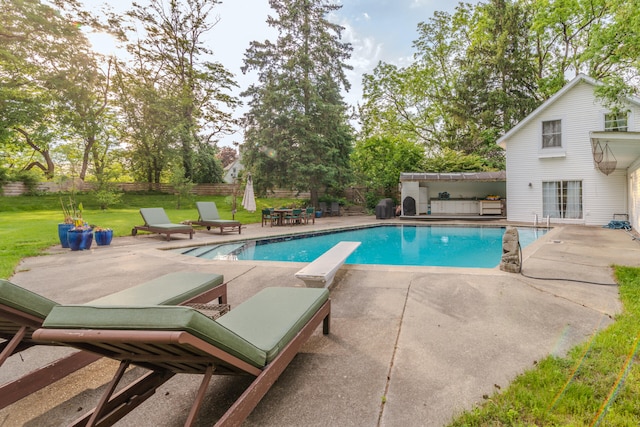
[
  {"x": 62, "y": 234},
  {"x": 80, "y": 239},
  {"x": 103, "y": 237}
]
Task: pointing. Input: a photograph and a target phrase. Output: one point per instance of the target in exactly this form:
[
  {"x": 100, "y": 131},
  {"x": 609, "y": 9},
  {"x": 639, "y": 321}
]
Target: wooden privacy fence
[
  {"x": 18, "y": 188},
  {"x": 353, "y": 195}
]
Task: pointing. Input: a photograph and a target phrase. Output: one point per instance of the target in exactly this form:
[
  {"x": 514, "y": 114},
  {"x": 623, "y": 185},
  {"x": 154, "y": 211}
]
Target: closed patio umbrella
[{"x": 249, "y": 200}]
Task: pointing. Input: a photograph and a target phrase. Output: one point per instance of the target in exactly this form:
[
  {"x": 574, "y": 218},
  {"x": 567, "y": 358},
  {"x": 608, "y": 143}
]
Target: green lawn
[{"x": 29, "y": 224}]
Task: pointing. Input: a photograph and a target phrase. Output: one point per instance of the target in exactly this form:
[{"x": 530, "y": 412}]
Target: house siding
[
  {"x": 634, "y": 195},
  {"x": 580, "y": 113}
]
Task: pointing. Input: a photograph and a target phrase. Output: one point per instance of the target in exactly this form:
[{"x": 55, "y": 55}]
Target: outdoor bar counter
[{"x": 466, "y": 206}]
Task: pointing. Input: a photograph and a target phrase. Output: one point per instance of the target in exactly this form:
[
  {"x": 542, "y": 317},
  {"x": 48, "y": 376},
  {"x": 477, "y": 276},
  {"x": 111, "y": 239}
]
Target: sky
[{"x": 379, "y": 30}]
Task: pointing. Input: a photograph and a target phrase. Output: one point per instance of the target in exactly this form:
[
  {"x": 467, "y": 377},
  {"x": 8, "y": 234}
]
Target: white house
[
  {"x": 573, "y": 161},
  {"x": 232, "y": 171}
]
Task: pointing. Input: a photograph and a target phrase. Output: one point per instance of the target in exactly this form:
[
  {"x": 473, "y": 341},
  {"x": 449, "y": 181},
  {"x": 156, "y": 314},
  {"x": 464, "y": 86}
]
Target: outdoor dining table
[{"x": 282, "y": 212}]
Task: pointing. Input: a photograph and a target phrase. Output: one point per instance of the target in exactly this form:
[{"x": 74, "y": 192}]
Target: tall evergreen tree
[{"x": 297, "y": 131}]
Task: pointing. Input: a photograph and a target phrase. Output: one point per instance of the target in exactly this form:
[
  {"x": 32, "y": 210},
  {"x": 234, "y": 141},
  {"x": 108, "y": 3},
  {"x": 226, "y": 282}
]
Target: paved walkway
[{"x": 408, "y": 345}]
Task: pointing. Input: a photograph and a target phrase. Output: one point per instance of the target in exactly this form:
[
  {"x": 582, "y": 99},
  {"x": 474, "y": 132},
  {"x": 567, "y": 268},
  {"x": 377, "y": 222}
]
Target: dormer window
[
  {"x": 615, "y": 122},
  {"x": 552, "y": 134}
]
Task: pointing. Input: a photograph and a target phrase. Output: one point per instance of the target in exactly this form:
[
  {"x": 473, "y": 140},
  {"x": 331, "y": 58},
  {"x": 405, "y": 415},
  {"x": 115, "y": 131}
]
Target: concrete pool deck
[{"x": 408, "y": 345}]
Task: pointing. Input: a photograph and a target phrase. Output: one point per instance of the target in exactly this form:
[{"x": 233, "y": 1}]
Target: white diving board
[{"x": 321, "y": 272}]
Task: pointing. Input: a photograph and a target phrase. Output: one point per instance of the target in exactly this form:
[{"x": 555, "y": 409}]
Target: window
[
  {"x": 562, "y": 199},
  {"x": 551, "y": 134},
  {"x": 615, "y": 122}
]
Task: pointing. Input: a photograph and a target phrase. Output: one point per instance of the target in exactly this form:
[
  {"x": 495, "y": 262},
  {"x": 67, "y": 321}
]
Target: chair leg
[
  {"x": 195, "y": 408},
  {"x": 113, "y": 407},
  {"x": 13, "y": 343}
]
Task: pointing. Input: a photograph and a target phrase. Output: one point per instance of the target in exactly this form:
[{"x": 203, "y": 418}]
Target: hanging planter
[
  {"x": 598, "y": 152},
  {"x": 609, "y": 161}
]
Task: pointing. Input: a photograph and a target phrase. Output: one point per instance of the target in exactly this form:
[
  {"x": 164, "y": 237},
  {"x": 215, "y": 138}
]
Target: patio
[{"x": 408, "y": 345}]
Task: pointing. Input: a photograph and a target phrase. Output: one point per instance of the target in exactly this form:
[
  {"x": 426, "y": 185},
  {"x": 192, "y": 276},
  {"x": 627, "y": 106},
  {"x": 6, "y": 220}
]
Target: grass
[
  {"x": 29, "y": 224},
  {"x": 598, "y": 383}
]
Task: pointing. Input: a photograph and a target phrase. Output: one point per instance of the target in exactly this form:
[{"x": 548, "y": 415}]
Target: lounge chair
[
  {"x": 208, "y": 216},
  {"x": 157, "y": 221},
  {"x": 23, "y": 311},
  {"x": 259, "y": 338}
]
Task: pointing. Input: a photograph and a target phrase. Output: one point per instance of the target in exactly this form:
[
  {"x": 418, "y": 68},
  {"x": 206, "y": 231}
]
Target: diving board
[{"x": 321, "y": 272}]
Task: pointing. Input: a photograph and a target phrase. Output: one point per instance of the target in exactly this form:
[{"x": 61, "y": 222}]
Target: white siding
[
  {"x": 634, "y": 119},
  {"x": 634, "y": 196},
  {"x": 580, "y": 113}
]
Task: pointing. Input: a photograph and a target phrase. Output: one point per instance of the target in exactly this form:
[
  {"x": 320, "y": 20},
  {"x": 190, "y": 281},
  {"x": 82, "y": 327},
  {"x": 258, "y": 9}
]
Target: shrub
[{"x": 29, "y": 178}]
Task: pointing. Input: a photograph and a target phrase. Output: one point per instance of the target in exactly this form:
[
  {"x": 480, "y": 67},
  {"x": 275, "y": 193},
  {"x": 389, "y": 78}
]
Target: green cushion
[
  {"x": 255, "y": 331},
  {"x": 164, "y": 318},
  {"x": 272, "y": 317},
  {"x": 171, "y": 289},
  {"x": 208, "y": 213},
  {"x": 24, "y": 300},
  {"x": 155, "y": 216}
]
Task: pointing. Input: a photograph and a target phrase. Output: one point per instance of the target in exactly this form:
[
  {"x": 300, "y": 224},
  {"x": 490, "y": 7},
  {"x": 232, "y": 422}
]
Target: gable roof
[
  {"x": 566, "y": 88},
  {"x": 498, "y": 176}
]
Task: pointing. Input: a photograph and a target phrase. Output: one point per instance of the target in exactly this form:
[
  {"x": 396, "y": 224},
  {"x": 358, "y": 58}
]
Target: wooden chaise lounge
[
  {"x": 23, "y": 311},
  {"x": 321, "y": 272},
  {"x": 258, "y": 338},
  {"x": 157, "y": 221},
  {"x": 208, "y": 216}
]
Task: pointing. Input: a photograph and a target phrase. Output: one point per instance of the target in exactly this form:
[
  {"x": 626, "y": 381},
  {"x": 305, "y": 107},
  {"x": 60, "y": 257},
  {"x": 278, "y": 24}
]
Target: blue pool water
[{"x": 416, "y": 245}]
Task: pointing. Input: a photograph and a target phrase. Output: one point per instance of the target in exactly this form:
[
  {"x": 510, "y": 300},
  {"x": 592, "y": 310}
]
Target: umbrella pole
[{"x": 235, "y": 194}]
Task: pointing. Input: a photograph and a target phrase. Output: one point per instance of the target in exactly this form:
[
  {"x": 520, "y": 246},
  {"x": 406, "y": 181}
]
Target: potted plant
[
  {"x": 72, "y": 218},
  {"x": 103, "y": 236},
  {"x": 80, "y": 238}
]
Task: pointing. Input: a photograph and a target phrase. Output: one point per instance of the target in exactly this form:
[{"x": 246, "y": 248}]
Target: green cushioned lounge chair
[
  {"x": 259, "y": 338},
  {"x": 208, "y": 216},
  {"x": 157, "y": 221},
  {"x": 23, "y": 311}
]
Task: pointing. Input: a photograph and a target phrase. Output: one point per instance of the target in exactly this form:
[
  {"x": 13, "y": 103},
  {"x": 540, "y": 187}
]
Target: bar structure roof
[{"x": 498, "y": 176}]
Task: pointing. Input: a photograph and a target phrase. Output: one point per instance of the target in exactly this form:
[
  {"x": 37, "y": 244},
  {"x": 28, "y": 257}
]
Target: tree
[
  {"x": 454, "y": 161},
  {"x": 147, "y": 121},
  {"x": 497, "y": 82},
  {"x": 171, "y": 59},
  {"x": 378, "y": 161},
  {"x": 297, "y": 131},
  {"x": 207, "y": 167},
  {"x": 38, "y": 52},
  {"x": 227, "y": 155},
  {"x": 481, "y": 70}
]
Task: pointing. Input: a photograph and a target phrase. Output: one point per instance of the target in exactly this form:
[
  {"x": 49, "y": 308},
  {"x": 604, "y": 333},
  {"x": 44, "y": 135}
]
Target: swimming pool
[{"x": 406, "y": 245}]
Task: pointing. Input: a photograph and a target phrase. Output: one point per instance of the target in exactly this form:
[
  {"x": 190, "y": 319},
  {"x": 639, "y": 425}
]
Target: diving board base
[{"x": 321, "y": 272}]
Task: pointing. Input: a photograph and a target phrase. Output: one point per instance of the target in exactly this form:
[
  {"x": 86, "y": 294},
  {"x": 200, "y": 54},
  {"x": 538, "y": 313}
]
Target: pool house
[{"x": 465, "y": 195}]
